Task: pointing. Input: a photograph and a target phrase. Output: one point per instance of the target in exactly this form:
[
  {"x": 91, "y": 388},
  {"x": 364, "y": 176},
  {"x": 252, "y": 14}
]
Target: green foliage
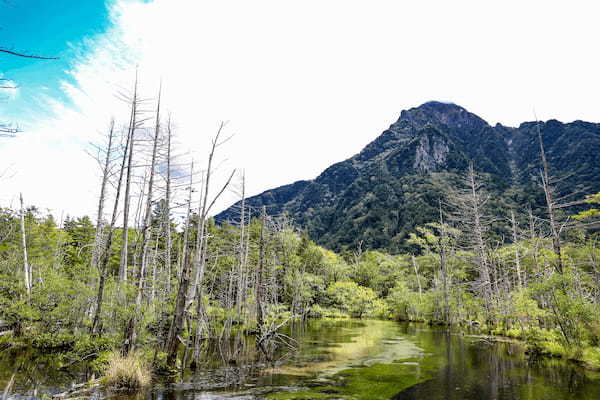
[
  {"x": 318, "y": 311},
  {"x": 591, "y": 212},
  {"x": 405, "y": 304},
  {"x": 556, "y": 314},
  {"x": 356, "y": 300},
  {"x": 591, "y": 356},
  {"x": 302, "y": 288}
]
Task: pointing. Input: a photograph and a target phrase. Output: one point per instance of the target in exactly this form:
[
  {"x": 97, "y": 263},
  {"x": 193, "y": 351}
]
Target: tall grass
[{"x": 127, "y": 373}]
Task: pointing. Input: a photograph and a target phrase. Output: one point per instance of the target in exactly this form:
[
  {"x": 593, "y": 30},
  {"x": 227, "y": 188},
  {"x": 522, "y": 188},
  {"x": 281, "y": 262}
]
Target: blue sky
[{"x": 55, "y": 28}]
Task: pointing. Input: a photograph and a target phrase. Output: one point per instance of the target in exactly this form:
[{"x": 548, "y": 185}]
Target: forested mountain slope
[{"x": 396, "y": 182}]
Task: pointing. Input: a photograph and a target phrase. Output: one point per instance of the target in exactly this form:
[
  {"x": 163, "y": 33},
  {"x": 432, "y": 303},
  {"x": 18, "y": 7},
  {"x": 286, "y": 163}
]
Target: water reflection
[
  {"x": 337, "y": 359},
  {"x": 476, "y": 370},
  {"x": 31, "y": 374}
]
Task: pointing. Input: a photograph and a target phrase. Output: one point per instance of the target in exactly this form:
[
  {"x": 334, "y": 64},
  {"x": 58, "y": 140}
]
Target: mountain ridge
[{"x": 371, "y": 196}]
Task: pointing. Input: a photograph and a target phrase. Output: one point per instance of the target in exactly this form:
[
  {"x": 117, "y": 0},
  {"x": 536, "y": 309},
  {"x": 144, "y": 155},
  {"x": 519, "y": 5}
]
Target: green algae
[{"x": 377, "y": 382}]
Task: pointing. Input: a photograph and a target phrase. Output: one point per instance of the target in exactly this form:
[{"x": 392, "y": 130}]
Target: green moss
[
  {"x": 309, "y": 394},
  {"x": 377, "y": 382},
  {"x": 409, "y": 360},
  {"x": 380, "y": 381}
]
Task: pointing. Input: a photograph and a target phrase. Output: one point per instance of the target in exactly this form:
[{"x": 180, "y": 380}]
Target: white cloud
[
  {"x": 9, "y": 90},
  {"x": 306, "y": 84}
]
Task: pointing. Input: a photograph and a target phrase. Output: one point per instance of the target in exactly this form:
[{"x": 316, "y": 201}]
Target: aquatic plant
[{"x": 127, "y": 373}]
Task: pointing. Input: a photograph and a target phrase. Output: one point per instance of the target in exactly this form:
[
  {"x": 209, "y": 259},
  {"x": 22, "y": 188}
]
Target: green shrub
[
  {"x": 317, "y": 311},
  {"x": 358, "y": 301}
]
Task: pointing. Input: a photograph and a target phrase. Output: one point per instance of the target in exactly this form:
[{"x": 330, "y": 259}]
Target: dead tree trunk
[
  {"x": 105, "y": 253},
  {"x": 146, "y": 236},
  {"x": 259, "y": 271},
  {"x": 172, "y": 342},
  {"x": 416, "y": 268},
  {"x": 205, "y": 209},
  {"x": 201, "y": 243},
  {"x": 26, "y": 267},
  {"x": 106, "y": 170},
  {"x": 516, "y": 245},
  {"x": 470, "y": 215},
  {"x": 444, "y": 267},
  {"x": 131, "y": 134},
  {"x": 549, "y": 193},
  {"x": 167, "y": 219},
  {"x": 242, "y": 251},
  {"x": 480, "y": 246}
]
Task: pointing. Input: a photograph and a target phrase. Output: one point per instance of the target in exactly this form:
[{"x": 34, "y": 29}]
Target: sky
[{"x": 302, "y": 84}]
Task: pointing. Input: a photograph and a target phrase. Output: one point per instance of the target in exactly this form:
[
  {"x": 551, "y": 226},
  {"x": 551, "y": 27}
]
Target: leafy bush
[
  {"x": 317, "y": 311},
  {"x": 356, "y": 300},
  {"x": 403, "y": 303}
]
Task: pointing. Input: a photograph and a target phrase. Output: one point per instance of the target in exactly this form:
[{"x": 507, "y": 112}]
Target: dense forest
[{"x": 152, "y": 278}]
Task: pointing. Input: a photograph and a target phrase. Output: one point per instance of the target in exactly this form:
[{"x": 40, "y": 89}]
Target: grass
[{"x": 126, "y": 373}]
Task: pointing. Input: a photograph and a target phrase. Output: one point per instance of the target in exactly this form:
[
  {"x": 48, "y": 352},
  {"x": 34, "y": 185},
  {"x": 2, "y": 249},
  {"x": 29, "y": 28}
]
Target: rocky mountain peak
[{"x": 439, "y": 113}]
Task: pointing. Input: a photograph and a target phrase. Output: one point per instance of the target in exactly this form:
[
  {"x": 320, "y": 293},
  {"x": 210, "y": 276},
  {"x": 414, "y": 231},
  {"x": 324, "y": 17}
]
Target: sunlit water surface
[{"x": 339, "y": 359}]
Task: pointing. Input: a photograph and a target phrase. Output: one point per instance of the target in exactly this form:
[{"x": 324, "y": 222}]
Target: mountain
[{"x": 396, "y": 182}]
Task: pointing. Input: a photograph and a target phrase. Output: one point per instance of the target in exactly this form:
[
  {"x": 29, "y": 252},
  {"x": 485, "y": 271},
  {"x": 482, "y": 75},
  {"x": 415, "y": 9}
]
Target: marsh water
[{"x": 337, "y": 359}]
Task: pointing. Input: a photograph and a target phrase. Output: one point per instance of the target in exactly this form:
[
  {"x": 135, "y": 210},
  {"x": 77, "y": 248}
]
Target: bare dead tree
[
  {"x": 549, "y": 192},
  {"x": 470, "y": 215},
  {"x": 416, "y": 269},
  {"x": 146, "y": 236},
  {"x": 515, "y": 237},
  {"x": 201, "y": 244},
  {"x": 242, "y": 250},
  {"x": 133, "y": 125},
  {"x": 167, "y": 219},
  {"x": 443, "y": 266},
  {"x": 104, "y": 254},
  {"x": 25, "y": 55},
  {"x": 206, "y": 206},
  {"x": 106, "y": 169},
  {"x": 26, "y": 267},
  {"x": 172, "y": 343},
  {"x": 6, "y": 130},
  {"x": 258, "y": 294}
]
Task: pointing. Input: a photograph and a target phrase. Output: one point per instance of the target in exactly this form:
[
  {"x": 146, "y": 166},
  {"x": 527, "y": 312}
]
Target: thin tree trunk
[
  {"x": 172, "y": 342},
  {"x": 101, "y": 200},
  {"x": 105, "y": 254},
  {"x": 444, "y": 267},
  {"x": 259, "y": 271},
  {"x": 414, "y": 264},
  {"x": 131, "y": 134},
  {"x": 516, "y": 245},
  {"x": 548, "y": 191},
  {"x": 154, "y": 266},
  {"x": 534, "y": 244},
  {"x": 146, "y": 236},
  {"x": 201, "y": 244},
  {"x": 167, "y": 221},
  {"x": 242, "y": 250},
  {"x": 26, "y": 267},
  {"x": 479, "y": 240}
]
